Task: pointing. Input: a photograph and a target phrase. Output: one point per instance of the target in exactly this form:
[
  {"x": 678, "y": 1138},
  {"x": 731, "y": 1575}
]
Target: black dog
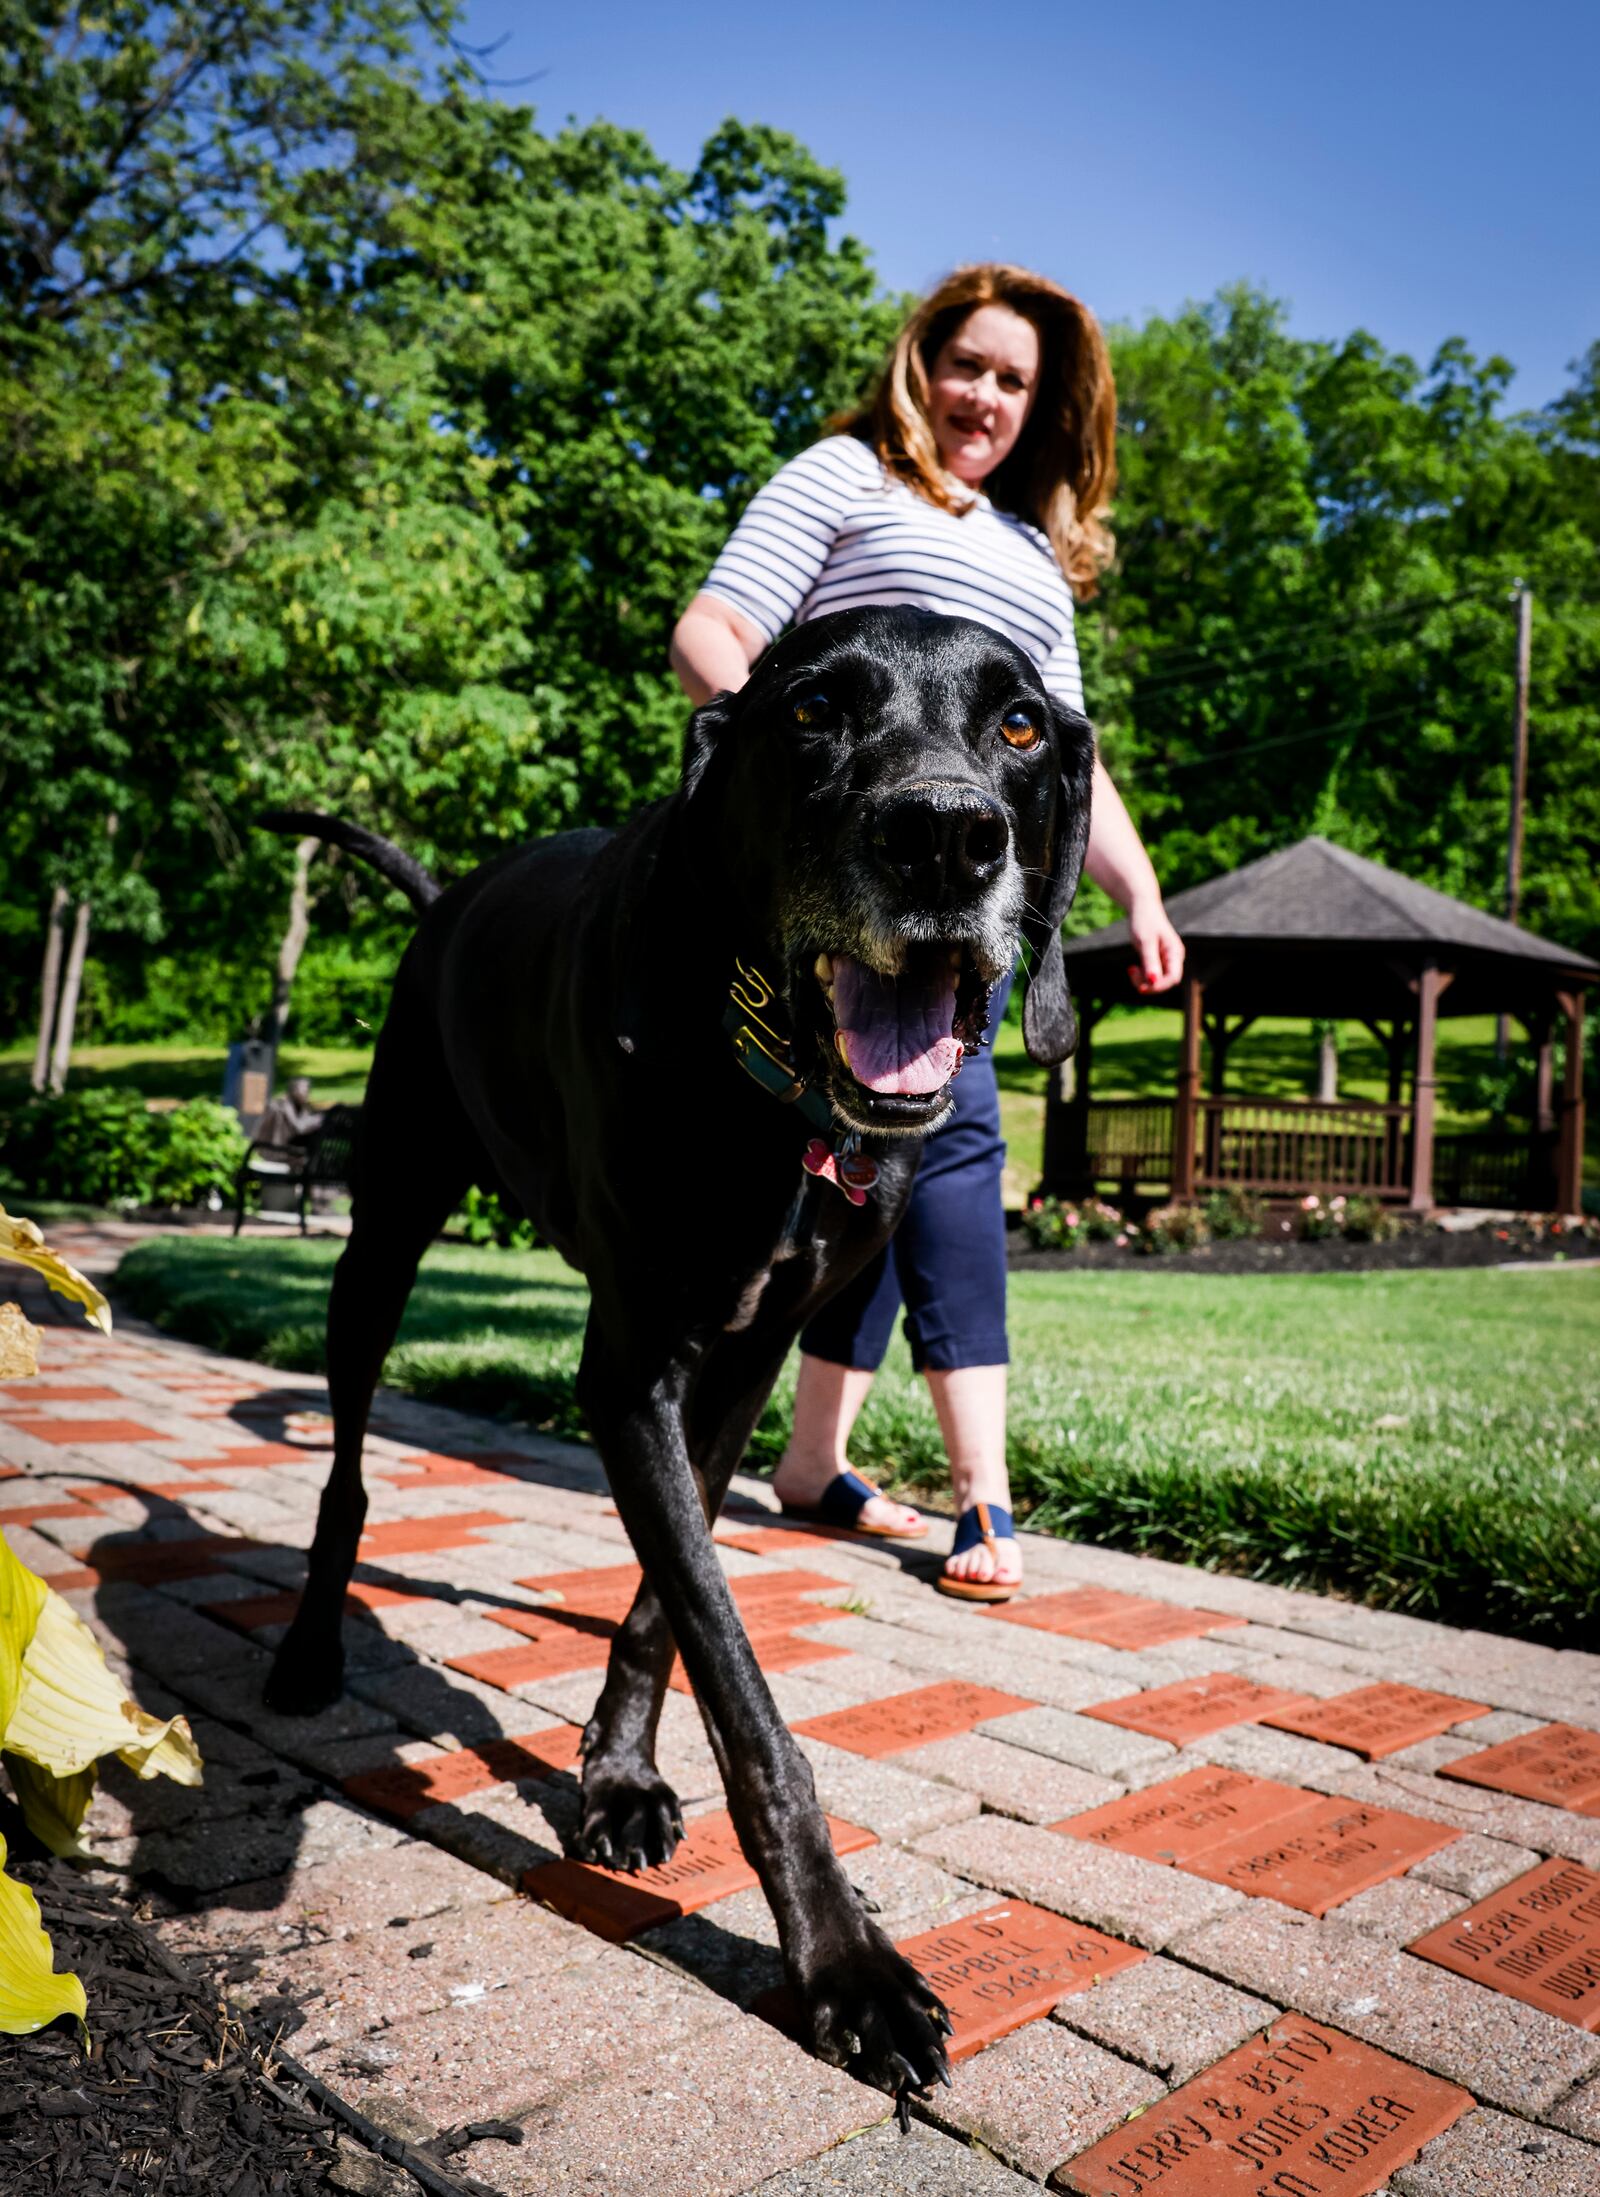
[{"x": 861, "y": 839}]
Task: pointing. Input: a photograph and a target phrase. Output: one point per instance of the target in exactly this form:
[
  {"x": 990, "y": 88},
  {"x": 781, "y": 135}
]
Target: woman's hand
[{"x": 1158, "y": 946}]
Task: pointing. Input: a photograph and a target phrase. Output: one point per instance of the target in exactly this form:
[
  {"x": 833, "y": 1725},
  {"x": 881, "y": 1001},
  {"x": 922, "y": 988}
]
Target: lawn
[{"x": 1427, "y": 1442}]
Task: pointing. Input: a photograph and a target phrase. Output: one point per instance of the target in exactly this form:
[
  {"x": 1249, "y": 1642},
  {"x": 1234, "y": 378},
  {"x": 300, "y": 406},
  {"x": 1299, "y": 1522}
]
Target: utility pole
[{"x": 1519, "y": 783}]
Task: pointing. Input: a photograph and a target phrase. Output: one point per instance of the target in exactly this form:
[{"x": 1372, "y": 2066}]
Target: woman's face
[{"x": 980, "y": 389}]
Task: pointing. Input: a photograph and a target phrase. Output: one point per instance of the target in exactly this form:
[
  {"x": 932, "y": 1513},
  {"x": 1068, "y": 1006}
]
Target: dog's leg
[
  {"x": 631, "y": 1818},
  {"x": 407, "y": 1184},
  {"x": 863, "y": 2005}
]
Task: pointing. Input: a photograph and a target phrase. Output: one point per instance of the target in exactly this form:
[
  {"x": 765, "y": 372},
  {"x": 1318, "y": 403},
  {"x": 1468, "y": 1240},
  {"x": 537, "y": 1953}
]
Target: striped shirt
[{"x": 833, "y": 531}]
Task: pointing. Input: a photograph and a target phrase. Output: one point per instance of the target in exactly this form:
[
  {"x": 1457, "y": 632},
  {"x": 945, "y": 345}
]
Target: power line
[
  {"x": 1223, "y": 756},
  {"x": 1250, "y": 663}
]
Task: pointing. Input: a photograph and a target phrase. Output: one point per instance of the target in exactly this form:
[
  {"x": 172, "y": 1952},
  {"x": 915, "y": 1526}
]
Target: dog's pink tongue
[{"x": 896, "y": 1030}]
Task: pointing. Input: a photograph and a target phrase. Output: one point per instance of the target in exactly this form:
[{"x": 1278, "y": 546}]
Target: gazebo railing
[
  {"x": 1130, "y": 1139},
  {"x": 1287, "y": 1147}
]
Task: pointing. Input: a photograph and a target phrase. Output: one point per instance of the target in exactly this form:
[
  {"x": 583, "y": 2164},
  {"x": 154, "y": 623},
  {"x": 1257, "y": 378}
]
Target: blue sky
[{"x": 1419, "y": 169}]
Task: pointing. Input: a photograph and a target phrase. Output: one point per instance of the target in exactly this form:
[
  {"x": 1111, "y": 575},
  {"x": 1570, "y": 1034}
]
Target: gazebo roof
[{"x": 1316, "y": 900}]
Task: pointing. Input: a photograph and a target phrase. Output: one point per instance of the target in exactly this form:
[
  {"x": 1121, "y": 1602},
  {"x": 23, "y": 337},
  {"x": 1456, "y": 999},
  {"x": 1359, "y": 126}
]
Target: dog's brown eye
[
  {"x": 811, "y": 709},
  {"x": 1018, "y": 729}
]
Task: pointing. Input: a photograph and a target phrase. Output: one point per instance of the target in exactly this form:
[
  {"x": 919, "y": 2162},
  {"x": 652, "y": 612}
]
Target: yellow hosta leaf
[
  {"x": 52, "y": 1807},
  {"x": 22, "y": 1244},
  {"x": 71, "y": 1709},
  {"x": 22, "y": 1597},
  {"x": 19, "y": 1344},
  {"x": 31, "y": 1993}
]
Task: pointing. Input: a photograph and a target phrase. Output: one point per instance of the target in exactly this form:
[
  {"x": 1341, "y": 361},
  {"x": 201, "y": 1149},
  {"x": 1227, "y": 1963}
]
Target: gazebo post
[
  {"x": 1430, "y": 985},
  {"x": 1569, "y": 1151},
  {"x": 1185, "y": 1111},
  {"x": 1541, "y": 1028}
]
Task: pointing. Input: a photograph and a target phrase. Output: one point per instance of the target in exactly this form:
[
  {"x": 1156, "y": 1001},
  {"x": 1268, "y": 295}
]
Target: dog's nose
[{"x": 941, "y": 839}]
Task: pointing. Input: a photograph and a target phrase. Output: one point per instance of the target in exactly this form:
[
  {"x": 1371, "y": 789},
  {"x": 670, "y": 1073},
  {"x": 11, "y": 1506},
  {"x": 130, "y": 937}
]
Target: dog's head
[{"x": 897, "y": 804}]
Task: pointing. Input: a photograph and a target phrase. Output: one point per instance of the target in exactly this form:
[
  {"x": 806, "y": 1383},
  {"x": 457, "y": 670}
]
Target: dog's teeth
[
  {"x": 840, "y": 1048},
  {"x": 822, "y": 970},
  {"x": 955, "y": 957}
]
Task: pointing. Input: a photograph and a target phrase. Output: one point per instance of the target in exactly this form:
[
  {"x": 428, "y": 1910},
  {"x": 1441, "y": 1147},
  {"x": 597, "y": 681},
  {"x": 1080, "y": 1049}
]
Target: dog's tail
[{"x": 387, "y": 859}]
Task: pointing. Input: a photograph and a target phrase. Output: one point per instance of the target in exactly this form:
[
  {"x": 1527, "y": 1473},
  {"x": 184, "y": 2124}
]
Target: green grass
[
  {"x": 338, "y": 1072},
  {"x": 1420, "y": 1441}
]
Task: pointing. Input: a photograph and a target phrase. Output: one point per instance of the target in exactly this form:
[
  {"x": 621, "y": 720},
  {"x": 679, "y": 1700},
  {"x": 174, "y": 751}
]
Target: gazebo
[{"x": 1317, "y": 932}]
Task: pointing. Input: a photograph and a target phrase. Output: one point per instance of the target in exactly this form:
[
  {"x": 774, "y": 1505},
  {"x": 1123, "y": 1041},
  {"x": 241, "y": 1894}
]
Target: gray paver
[
  {"x": 882, "y": 2163},
  {"x": 1105, "y": 1749},
  {"x": 1494, "y": 2155},
  {"x": 1040, "y": 2095},
  {"x": 879, "y": 1796},
  {"x": 1401, "y": 1910},
  {"x": 1014, "y": 1781},
  {"x": 1138, "y": 1900},
  {"x": 1170, "y": 2019},
  {"x": 1476, "y": 1866}
]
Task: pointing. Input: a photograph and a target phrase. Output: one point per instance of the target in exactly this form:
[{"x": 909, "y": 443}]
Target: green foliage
[
  {"x": 1053, "y": 1224},
  {"x": 1172, "y": 1228},
  {"x": 1231, "y": 1213},
  {"x": 483, "y": 1218},
  {"x": 106, "y": 1147}
]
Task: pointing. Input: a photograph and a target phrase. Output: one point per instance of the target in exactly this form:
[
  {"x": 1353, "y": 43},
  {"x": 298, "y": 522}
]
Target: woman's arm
[
  {"x": 713, "y": 647},
  {"x": 1117, "y": 862}
]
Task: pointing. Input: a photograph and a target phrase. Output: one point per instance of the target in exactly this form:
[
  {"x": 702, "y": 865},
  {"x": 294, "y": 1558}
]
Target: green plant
[
  {"x": 1369, "y": 1220},
  {"x": 1173, "y": 1228},
  {"x": 1102, "y": 1223},
  {"x": 1052, "y": 1225},
  {"x": 108, "y": 1147},
  {"x": 483, "y": 1217},
  {"x": 1231, "y": 1213},
  {"x": 1319, "y": 1220}
]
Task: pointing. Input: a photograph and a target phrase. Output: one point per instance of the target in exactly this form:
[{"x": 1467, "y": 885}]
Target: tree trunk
[
  {"x": 71, "y": 985},
  {"x": 1327, "y": 1062},
  {"x": 49, "y": 986},
  {"x": 293, "y": 943}
]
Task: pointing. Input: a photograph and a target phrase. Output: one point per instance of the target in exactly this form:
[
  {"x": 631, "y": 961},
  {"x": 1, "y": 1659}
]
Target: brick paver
[{"x": 358, "y": 1877}]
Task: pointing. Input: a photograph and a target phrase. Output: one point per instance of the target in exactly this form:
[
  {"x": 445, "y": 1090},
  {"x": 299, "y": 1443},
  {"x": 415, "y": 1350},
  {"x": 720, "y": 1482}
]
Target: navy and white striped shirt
[{"x": 833, "y": 531}]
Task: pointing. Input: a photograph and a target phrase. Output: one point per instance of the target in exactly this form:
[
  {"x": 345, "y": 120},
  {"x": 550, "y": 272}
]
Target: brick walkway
[{"x": 1231, "y": 1889}]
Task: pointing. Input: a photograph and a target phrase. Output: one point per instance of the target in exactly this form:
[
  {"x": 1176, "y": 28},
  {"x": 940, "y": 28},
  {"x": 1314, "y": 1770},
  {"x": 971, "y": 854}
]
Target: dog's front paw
[
  {"x": 866, "y": 2009},
  {"x": 630, "y": 1821}
]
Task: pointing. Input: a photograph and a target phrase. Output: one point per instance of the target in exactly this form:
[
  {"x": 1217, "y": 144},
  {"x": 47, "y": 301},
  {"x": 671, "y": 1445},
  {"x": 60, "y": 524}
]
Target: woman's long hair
[{"x": 1062, "y": 470}]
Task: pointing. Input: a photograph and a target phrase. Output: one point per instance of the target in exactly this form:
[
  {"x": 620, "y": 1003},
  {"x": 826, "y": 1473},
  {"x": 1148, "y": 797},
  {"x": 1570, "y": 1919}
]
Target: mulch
[
  {"x": 1423, "y": 1248},
  {"x": 177, "y": 2093}
]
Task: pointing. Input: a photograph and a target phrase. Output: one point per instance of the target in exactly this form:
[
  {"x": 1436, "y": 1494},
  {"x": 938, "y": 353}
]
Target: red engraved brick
[
  {"x": 419, "y": 1536},
  {"x": 1196, "y": 1706},
  {"x": 1322, "y": 1855},
  {"x": 407, "y": 1788},
  {"x": 27, "y": 1514},
  {"x": 707, "y": 1866},
  {"x": 899, "y": 1721},
  {"x": 59, "y": 1392},
  {"x": 1008, "y": 1965},
  {"x": 780, "y": 1540},
  {"x": 604, "y": 1592},
  {"x": 249, "y": 1613},
  {"x": 1299, "y": 2109},
  {"x": 1113, "y": 1620},
  {"x": 1537, "y": 1938},
  {"x": 779, "y": 1650},
  {"x": 1184, "y": 1817},
  {"x": 1377, "y": 1720},
  {"x": 67, "y": 1431},
  {"x": 251, "y": 1455},
  {"x": 994, "y": 1972},
  {"x": 1559, "y": 1763},
  {"x": 552, "y": 1658}
]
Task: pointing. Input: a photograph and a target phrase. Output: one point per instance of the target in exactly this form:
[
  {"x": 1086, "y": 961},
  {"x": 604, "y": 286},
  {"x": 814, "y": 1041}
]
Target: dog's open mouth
[{"x": 901, "y": 1038}]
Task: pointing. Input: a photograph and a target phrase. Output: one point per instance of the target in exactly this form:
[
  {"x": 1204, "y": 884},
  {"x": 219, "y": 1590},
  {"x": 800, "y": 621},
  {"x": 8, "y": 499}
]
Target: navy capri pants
[{"x": 946, "y": 1262}]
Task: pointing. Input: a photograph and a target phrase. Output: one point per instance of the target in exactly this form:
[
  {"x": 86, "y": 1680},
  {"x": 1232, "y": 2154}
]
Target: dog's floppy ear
[
  {"x": 1049, "y": 1023},
  {"x": 706, "y": 728}
]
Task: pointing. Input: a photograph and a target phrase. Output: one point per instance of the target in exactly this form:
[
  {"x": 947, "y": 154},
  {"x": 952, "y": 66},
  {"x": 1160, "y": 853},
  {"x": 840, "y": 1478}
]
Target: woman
[{"x": 975, "y": 483}]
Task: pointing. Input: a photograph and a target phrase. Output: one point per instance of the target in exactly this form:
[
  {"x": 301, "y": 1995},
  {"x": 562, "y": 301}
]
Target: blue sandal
[
  {"x": 988, "y": 1523},
  {"x": 840, "y": 1505}
]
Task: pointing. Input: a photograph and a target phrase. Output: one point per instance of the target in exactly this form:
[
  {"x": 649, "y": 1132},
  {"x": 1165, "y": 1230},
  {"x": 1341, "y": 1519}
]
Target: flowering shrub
[
  {"x": 1319, "y": 1221},
  {"x": 1173, "y": 1228},
  {"x": 1050, "y": 1224},
  {"x": 1102, "y": 1223},
  {"x": 1231, "y": 1213},
  {"x": 1369, "y": 1220}
]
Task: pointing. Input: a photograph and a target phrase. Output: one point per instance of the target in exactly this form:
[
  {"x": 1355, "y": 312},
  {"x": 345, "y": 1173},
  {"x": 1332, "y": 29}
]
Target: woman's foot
[
  {"x": 993, "y": 1561},
  {"x": 799, "y": 1483}
]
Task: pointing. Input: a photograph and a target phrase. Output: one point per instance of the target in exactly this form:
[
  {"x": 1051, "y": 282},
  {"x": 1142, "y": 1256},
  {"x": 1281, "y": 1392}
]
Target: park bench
[{"x": 317, "y": 1160}]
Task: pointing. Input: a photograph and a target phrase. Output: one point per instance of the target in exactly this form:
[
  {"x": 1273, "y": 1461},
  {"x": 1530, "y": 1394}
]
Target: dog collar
[{"x": 753, "y": 1019}]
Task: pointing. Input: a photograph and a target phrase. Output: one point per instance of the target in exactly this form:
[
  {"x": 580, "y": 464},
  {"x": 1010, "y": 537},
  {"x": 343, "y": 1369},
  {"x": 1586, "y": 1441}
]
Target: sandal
[
  {"x": 988, "y": 1523},
  {"x": 840, "y": 1505}
]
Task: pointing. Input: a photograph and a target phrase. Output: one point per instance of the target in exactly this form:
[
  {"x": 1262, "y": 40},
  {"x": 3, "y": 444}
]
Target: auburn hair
[{"x": 1061, "y": 472}]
